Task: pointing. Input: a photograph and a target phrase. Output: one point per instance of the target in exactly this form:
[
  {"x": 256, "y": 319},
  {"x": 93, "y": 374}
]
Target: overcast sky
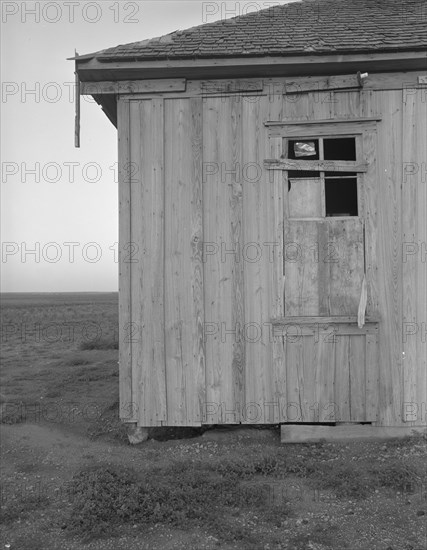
[{"x": 52, "y": 193}]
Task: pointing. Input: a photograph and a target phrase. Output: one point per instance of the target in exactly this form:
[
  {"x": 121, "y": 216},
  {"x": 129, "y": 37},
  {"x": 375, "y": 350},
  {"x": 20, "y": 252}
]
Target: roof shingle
[{"x": 310, "y": 26}]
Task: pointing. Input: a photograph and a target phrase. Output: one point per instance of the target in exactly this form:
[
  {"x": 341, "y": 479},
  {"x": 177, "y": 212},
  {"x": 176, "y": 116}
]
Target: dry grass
[{"x": 226, "y": 491}]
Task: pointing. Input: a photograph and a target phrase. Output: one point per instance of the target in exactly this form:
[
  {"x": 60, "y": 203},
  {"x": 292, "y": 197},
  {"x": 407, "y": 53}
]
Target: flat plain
[{"x": 71, "y": 480}]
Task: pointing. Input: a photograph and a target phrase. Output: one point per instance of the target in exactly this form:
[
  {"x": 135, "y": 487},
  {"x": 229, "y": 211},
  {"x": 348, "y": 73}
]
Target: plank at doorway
[{"x": 292, "y": 433}]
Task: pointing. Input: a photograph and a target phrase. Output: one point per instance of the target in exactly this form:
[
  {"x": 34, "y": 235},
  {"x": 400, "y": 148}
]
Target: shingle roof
[{"x": 312, "y": 27}]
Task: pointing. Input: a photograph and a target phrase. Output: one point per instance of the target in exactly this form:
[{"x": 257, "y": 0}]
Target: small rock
[
  {"x": 136, "y": 434},
  {"x": 421, "y": 513}
]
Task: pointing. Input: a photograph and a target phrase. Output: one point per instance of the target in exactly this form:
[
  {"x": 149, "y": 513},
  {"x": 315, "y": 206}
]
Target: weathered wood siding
[
  {"x": 414, "y": 254},
  {"x": 206, "y": 223}
]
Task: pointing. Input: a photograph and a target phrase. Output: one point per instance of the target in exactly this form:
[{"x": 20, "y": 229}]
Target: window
[
  {"x": 320, "y": 182},
  {"x": 339, "y": 149},
  {"x": 341, "y": 196},
  {"x": 298, "y": 149}
]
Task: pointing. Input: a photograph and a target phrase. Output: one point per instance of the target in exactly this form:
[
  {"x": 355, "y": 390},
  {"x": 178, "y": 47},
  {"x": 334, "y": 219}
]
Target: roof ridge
[{"x": 297, "y": 27}]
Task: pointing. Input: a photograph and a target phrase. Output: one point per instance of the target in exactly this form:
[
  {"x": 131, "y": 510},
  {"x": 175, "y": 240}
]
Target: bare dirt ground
[{"x": 71, "y": 480}]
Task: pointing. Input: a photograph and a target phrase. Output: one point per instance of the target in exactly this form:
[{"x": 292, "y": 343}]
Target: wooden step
[{"x": 303, "y": 433}]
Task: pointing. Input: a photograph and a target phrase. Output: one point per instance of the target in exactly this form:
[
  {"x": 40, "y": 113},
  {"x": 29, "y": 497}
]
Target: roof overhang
[{"x": 92, "y": 70}]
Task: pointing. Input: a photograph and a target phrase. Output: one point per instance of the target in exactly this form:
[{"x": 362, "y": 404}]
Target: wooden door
[{"x": 331, "y": 362}]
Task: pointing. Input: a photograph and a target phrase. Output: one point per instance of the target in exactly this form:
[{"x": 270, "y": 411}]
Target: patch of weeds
[
  {"x": 99, "y": 344},
  {"x": 26, "y": 467},
  {"x": 237, "y": 468},
  {"x": 277, "y": 514},
  {"x": 25, "y": 542},
  {"x": 268, "y": 465},
  {"x": 108, "y": 425},
  {"x": 52, "y": 394},
  {"x": 417, "y": 438},
  {"x": 396, "y": 475},
  {"x": 300, "y": 466},
  {"x": 76, "y": 361},
  {"x": 101, "y": 497},
  {"x": 182, "y": 494},
  {"x": 345, "y": 480},
  {"x": 234, "y": 531},
  {"x": 20, "y": 506},
  {"x": 320, "y": 534},
  {"x": 14, "y": 412}
]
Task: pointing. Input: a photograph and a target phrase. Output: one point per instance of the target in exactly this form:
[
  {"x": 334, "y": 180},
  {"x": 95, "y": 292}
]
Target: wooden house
[{"x": 273, "y": 218}]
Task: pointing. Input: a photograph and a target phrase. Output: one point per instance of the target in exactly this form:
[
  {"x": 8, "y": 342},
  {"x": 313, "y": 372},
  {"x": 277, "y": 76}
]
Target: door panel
[
  {"x": 324, "y": 267},
  {"x": 331, "y": 373}
]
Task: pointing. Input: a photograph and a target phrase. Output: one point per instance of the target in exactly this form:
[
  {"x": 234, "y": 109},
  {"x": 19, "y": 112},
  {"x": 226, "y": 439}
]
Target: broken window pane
[
  {"x": 339, "y": 149},
  {"x": 304, "y": 198},
  {"x": 303, "y": 149},
  {"x": 296, "y": 174},
  {"x": 341, "y": 197},
  {"x": 340, "y": 174}
]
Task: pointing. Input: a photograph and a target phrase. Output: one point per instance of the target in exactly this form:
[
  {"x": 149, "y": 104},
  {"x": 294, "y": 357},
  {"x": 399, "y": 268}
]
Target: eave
[{"x": 92, "y": 70}]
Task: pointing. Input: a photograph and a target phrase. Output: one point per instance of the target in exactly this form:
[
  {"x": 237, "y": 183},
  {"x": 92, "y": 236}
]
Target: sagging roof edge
[{"x": 90, "y": 69}]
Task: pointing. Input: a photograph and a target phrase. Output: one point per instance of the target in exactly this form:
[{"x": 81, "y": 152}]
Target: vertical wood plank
[
  {"x": 307, "y": 378},
  {"x": 262, "y": 196},
  {"x": 347, "y": 104},
  {"x": 277, "y": 342},
  {"x": 218, "y": 265},
  {"x": 389, "y": 156},
  {"x": 409, "y": 259},
  {"x": 342, "y": 378},
  {"x": 421, "y": 289},
  {"x": 346, "y": 265},
  {"x": 323, "y": 261},
  {"x": 370, "y": 186},
  {"x": 233, "y": 159},
  {"x": 371, "y": 376},
  {"x": 147, "y": 152},
  {"x": 302, "y": 266},
  {"x": 294, "y": 359},
  {"x": 255, "y": 289},
  {"x": 414, "y": 264},
  {"x": 127, "y": 411},
  {"x": 199, "y": 354},
  {"x": 140, "y": 338},
  {"x": 185, "y": 359},
  {"x": 324, "y": 363},
  {"x": 357, "y": 378}
]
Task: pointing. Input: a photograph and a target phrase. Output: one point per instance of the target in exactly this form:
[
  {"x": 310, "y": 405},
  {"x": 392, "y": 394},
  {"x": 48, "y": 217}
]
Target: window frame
[{"x": 357, "y": 167}]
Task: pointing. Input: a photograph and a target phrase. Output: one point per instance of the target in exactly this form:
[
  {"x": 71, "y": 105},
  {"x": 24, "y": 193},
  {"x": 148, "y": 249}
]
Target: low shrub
[
  {"x": 104, "y": 497},
  {"x": 21, "y": 506},
  {"x": 396, "y": 475},
  {"x": 99, "y": 344},
  {"x": 345, "y": 480}
]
